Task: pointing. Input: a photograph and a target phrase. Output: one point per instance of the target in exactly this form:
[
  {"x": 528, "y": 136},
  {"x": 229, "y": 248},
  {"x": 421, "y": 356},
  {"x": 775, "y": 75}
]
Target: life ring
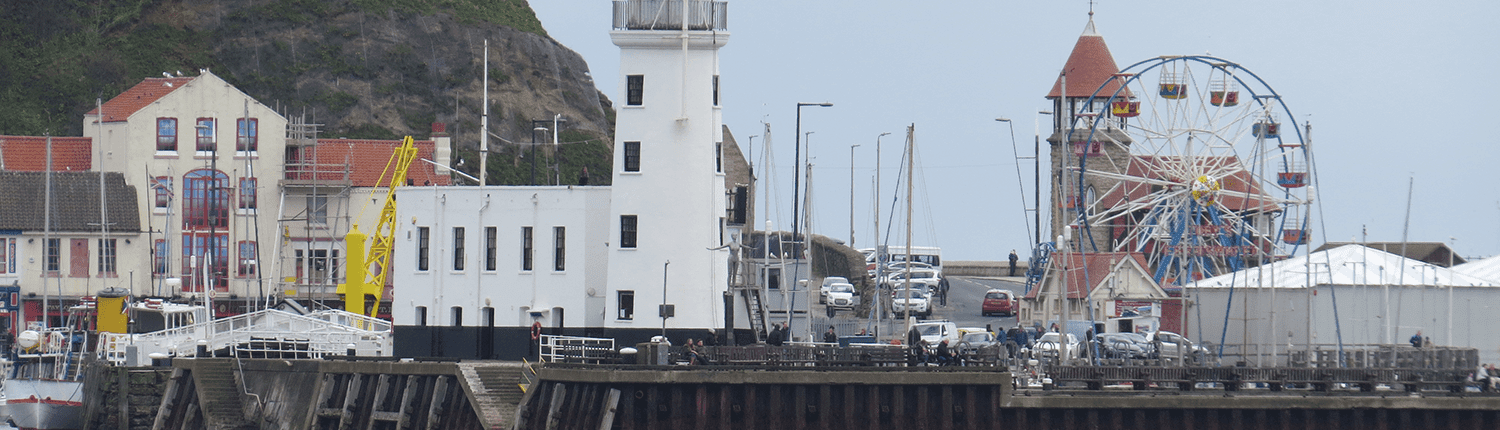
[{"x": 536, "y": 330}]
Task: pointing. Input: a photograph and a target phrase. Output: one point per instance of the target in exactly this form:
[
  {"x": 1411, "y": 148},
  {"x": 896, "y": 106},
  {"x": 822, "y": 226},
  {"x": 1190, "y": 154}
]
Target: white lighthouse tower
[{"x": 668, "y": 201}]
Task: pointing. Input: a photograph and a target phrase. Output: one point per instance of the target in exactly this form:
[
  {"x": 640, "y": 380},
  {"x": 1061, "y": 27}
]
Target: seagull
[
  {"x": 169, "y": 84},
  {"x": 166, "y": 74},
  {"x": 179, "y": 73}
]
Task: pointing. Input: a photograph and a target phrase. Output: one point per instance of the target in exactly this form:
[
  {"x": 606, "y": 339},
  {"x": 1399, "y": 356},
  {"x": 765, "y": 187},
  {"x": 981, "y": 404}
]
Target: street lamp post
[
  {"x": 1016, "y": 153},
  {"x": 535, "y": 128},
  {"x": 797, "y": 180},
  {"x": 851, "y": 194},
  {"x": 1037, "y": 158}
]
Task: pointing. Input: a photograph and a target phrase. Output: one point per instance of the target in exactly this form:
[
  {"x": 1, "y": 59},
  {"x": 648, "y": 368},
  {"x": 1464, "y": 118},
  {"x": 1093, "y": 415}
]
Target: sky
[{"x": 1395, "y": 92}]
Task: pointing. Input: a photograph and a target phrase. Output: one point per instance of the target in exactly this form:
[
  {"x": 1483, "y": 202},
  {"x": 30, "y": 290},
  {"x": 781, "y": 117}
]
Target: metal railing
[
  {"x": 305, "y": 171},
  {"x": 575, "y": 349},
  {"x": 268, "y": 332},
  {"x": 667, "y": 15}
]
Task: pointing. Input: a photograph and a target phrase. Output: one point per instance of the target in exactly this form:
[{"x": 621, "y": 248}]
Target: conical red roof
[{"x": 1089, "y": 66}]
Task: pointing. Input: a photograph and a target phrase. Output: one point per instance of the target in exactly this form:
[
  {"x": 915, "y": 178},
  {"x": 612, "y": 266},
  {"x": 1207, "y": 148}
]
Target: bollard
[
  {"x": 158, "y": 359},
  {"x": 202, "y": 348},
  {"x": 350, "y": 350}
]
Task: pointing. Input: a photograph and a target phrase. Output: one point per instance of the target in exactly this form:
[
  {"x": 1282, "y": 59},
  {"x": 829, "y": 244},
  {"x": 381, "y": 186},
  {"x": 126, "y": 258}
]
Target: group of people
[
  {"x": 1488, "y": 377},
  {"x": 1419, "y": 341},
  {"x": 923, "y": 352}
]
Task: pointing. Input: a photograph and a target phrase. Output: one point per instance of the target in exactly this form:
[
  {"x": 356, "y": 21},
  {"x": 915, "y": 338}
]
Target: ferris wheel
[{"x": 1187, "y": 161}]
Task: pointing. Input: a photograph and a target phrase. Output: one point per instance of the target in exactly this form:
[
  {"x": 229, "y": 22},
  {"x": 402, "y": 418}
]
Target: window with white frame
[
  {"x": 526, "y": 250},
  {"x": 7, "y": 256}
]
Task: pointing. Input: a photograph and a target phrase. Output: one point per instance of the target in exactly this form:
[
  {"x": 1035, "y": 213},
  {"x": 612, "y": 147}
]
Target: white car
[
  {"x": 1048, "y": 345},
  {"x": 828, "y": 282},
  {"x": 915, "y": 300},
  {"x": 927, "y": 279},
  {"x": 935, "y": 332},
  {"x": 1169, "y": 345},
  {"x": 841, "y": 296}
]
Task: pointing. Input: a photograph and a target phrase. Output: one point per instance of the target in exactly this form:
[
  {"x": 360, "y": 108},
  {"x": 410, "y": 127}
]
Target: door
[{"x": 78, "y": 258}]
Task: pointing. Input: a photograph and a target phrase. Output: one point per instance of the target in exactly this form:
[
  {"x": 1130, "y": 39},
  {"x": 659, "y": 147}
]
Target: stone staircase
[
  {"x": 223, "y": 404},
  {"x": 494, "y": 390}
]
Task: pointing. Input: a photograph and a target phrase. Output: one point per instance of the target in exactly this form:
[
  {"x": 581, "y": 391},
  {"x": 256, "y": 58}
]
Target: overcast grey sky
[{"x": 1393, "y": 90}]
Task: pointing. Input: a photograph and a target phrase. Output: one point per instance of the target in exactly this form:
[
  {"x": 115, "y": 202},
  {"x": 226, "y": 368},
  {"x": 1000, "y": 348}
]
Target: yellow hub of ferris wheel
[{"x": 1204, "y": 190}]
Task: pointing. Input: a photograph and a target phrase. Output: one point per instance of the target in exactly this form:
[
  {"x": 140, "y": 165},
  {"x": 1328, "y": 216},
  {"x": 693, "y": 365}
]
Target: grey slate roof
[{"x": 75, "y": 202}]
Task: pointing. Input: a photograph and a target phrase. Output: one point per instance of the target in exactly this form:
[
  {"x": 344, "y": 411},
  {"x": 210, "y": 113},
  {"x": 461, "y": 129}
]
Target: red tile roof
[
  {"x": 1238, "y": 181},
  {"x": 149, "y": 90},
  {"x": 1088, "y": 67},
  {"x": 1084, "y": 269},
  {"x": 29, "y": 153},
  {"x": 367, "y": 160}
]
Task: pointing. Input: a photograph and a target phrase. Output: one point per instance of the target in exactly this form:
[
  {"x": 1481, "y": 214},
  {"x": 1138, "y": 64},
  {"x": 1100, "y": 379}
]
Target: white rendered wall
[
  {"x": 678, "y": 196},
  {"x": 512, "y": 292}
]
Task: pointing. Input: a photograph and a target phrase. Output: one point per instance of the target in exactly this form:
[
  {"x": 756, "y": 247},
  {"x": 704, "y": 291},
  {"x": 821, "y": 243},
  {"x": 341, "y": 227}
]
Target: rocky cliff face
[{"x": 363, "y": 68}]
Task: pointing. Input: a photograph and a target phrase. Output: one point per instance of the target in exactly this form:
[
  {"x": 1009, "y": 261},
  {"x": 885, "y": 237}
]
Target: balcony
[{"x": 667, "y": 15}]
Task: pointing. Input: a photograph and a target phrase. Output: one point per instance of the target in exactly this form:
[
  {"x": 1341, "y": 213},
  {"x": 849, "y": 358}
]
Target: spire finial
[{"x": 1091, "y": 8}]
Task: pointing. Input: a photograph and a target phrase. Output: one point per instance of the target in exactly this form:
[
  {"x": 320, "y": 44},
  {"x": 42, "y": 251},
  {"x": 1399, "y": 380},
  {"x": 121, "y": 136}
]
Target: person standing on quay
[{"x": 1013, "y": 259}]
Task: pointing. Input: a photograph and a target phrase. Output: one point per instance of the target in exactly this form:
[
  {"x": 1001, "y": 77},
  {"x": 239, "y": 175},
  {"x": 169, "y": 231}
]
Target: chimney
[{"x": 442, "y": 148}]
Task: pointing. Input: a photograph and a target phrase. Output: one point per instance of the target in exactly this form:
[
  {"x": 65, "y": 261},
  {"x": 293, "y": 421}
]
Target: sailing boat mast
[
  {"x": 911, "y": 145},
  {"x": 47, "y": 229}
]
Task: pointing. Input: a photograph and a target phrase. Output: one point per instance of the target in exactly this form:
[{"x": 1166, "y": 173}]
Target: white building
[
  {"x": 645, "y": 241},
  {"x": 1352, "y": 295}
]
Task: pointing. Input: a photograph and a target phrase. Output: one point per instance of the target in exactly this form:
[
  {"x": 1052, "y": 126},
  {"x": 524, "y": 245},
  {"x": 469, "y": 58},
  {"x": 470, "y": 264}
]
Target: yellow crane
[{"x": 367, "y": 271}]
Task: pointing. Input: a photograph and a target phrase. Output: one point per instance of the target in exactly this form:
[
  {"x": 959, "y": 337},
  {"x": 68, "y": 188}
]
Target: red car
[{"x": 1001, "y": 302}]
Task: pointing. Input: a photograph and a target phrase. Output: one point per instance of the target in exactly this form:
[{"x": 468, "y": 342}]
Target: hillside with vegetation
[{"x": 375, "y": 69}]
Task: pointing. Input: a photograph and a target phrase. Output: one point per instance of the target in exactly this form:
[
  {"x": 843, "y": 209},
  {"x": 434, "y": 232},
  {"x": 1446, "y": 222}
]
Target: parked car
[
  {"x": 926, "y": 279},
  {"x": 911, "y": 301},
  {"x": 974, "y": 338},
  {"x": 1123, "y": 345},
  {"x": 935, "y": 332},
  {"x": 998, "y": 301},
  {"x": 827, "y": 282},
  {"x": 1171, "y": 345},
  {"x": 841, "y": 295},
  {"x": 1048, "y": 345}
]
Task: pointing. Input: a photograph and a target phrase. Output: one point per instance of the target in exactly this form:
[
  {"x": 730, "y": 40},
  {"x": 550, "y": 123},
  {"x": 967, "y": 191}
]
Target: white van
[{"x": 929, "y": 255}]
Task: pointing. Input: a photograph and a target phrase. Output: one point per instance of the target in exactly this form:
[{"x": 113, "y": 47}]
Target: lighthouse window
[
  {"x": 458, "y": 316},
  {"x": 632, "y": 156},
  {"x": 421, "y": 315},
  {"x": 627, "y": 231},
  {"x": 627, "y": 305},
  {"x": 716, "y": 90},
  {"x": 633, "y": 89}
]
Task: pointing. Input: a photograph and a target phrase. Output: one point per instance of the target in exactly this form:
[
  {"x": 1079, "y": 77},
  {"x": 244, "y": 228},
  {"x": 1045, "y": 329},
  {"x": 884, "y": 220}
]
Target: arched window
[{"x": 205, "y": 202}]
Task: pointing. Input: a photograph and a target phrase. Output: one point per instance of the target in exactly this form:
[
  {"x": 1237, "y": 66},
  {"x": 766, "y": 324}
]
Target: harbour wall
[{"x": 701, "y": 398}]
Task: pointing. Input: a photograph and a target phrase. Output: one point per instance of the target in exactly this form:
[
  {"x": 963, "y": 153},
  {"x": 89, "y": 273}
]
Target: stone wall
[{"x": 141, "y": 396}]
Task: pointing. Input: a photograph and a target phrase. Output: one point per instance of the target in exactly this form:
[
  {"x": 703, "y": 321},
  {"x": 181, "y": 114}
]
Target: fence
[
  {"x": 574, "y": 349},
  {"x": 667, "y": 15},
  {"x": 267, "y": 333}
]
